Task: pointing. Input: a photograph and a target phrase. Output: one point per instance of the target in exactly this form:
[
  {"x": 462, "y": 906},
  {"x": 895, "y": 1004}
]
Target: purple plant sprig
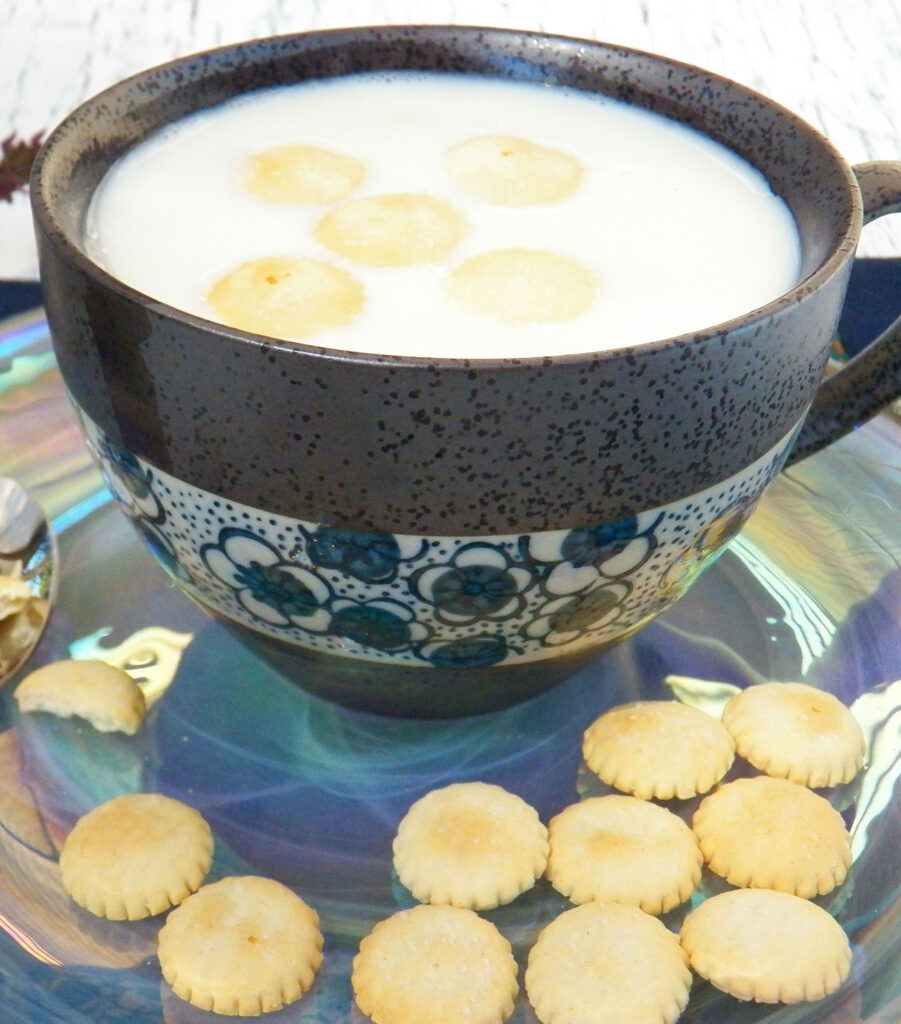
[{"x": 16, "y": 158}]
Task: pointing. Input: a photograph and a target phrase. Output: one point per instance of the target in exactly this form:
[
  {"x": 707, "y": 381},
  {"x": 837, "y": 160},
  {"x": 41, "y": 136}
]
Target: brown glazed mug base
[{"x": 415, "y": 691}]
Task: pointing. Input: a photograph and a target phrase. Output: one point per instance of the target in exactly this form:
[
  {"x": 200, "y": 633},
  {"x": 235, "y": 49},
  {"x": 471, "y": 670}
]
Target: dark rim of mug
[{"x": 808, "y": 285}]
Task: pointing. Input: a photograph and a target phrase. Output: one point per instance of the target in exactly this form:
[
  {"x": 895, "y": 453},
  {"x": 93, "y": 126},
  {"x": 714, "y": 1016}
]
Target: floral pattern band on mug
[{"x": 428, "y": 600}]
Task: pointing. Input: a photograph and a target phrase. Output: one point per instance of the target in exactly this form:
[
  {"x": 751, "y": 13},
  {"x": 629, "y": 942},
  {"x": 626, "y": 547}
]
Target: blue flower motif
[
  {"x": 473, "y": 652},
  {"x": 130, "y": 482},
  {"x": 371, "y": 557},
  {"x": 270, "y": 589},
  {"x": 479, "y": 582},
  {"x": 591, "y": 545},
  {"x": 126, "y": 467},
  {"x": 566, "y": 618},
  {"x": 614, "y": 549},
  {"x": 384, "y": 624},
  {"x": 473, "y": 589},
  {"x": 586, "y": 611}
]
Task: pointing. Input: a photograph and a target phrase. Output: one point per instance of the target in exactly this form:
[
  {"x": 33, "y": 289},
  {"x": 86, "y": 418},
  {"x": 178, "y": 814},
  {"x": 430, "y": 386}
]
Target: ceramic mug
[{"x": 324, "y": 504}]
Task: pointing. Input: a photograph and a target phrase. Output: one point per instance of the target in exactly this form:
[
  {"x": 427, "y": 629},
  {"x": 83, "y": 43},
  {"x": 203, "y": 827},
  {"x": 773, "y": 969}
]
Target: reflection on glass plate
[{"x": 311, "y": 794}]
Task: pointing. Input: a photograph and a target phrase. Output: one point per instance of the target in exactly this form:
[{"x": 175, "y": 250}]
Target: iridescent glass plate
[{"x": 311, "y": 794}]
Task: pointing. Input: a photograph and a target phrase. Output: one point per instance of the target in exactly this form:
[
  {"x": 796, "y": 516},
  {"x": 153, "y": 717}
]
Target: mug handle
[{"x": 872, "y": 378}]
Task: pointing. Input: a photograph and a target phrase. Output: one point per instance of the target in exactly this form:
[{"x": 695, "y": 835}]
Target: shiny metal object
[{"x": 28, "y": 555}]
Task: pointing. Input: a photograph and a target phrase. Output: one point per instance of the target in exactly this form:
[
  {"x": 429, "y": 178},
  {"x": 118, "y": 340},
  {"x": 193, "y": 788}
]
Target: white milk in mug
[{"x": 441, "y": 215}]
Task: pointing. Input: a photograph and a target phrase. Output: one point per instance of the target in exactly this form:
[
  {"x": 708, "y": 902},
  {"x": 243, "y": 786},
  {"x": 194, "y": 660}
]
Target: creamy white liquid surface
[{"x": 680, "y": 232}]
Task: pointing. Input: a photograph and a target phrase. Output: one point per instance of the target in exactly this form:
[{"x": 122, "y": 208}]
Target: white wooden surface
[{"x": 837, "y": 63}]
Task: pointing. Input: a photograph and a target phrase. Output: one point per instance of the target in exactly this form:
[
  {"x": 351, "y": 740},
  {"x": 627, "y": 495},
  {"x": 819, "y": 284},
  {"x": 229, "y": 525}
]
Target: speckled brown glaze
[{"x": 441, "y": 446}]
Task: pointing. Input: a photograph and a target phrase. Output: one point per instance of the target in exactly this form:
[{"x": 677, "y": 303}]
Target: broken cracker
[{"x": 102, "y": 694}]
